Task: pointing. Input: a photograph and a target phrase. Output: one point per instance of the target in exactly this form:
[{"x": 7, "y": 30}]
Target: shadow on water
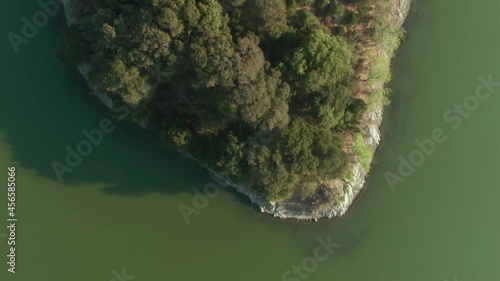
[
  {"x": 46, "y": 105},
  {"x": 127, "y": 162}
]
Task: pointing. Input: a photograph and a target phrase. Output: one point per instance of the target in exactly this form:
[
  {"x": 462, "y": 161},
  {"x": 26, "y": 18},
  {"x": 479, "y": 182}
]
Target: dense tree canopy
[{"x": 214, "y": 76}]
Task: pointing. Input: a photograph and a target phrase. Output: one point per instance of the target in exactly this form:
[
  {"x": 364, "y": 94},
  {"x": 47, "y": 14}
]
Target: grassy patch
[{"x": 363, "y": 151}]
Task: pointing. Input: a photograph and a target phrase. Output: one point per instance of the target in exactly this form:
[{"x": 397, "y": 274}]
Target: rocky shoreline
[{"x": 371, "y": 122}]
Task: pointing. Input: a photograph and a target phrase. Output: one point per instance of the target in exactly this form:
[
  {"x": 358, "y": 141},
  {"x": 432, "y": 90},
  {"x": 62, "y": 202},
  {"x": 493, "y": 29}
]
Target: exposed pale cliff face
[
  {"x": 350, "y": 187},
  {"x": 373, "y": 117},
  {"x": 370, "y": 128}
]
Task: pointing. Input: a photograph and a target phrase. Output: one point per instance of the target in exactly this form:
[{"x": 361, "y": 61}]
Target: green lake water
[{"x": 119, "y": 208}]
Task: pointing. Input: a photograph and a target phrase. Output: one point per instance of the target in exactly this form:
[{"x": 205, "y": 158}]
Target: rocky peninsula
[{"x": 371, "y": 71}]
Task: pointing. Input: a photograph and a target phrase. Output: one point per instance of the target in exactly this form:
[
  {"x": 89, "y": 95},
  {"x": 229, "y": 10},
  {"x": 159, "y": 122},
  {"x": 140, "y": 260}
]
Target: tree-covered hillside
[{"x": 259, "y": 90}]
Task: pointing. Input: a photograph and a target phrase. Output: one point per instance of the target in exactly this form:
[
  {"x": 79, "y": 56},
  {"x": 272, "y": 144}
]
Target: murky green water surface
[{"x": 119, "y": 208}]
